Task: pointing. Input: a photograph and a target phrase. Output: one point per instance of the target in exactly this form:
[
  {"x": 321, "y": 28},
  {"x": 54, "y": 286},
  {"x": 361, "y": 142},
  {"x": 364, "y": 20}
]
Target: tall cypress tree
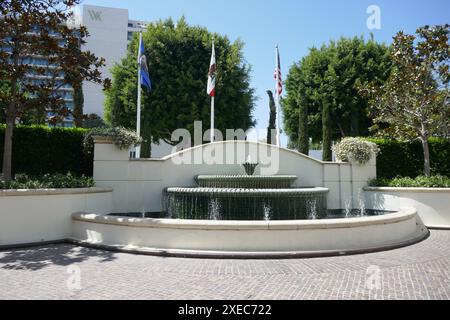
[
  {"x": 326, "y": 131},
  {"x": 78, "y": 105},
  {"x": 303, "y": 135},
  {"x": 272, "y": 117}
]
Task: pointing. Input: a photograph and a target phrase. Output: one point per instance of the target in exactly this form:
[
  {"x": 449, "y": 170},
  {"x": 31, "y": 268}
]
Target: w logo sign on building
[{"x": 95, "y": 15}]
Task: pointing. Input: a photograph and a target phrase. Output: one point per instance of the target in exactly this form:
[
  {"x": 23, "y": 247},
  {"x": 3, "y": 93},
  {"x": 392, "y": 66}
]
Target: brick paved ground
[{"x": 421, "y": 271}]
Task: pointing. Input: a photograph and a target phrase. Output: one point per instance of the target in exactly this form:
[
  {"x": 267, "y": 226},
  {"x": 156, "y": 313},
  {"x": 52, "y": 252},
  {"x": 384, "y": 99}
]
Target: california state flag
[{"x": 211, "y": 90}]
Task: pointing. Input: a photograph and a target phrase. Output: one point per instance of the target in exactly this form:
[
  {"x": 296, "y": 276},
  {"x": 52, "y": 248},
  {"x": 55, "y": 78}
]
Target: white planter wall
[
  {"x": 32, "y": 216},
  {"x": 433, "y": 205}
]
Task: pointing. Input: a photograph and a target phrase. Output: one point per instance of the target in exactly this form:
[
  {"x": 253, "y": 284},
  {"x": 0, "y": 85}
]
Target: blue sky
[{"x": 295, "y": 25}]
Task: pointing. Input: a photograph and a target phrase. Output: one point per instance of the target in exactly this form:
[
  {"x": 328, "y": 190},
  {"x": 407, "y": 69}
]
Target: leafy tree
[
  {"x": 331, "y": 76},
  {"x": 272, "y": 117},
  {"x": 39, "y": 28},
  {"x": 414, "y": 101},
  {"x": 178, "y": 61}
]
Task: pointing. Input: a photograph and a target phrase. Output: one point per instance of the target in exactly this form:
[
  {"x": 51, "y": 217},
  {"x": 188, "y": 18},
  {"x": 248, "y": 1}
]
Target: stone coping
[
  {"x": 245, "y": 191},
  {"x": 404, "y": 214},
  {"x": 411, "y": 190},
  {"x": 103, "y": 139},
  {"x": 245, "y": 177},
  {"x": 52, "y": 192}
]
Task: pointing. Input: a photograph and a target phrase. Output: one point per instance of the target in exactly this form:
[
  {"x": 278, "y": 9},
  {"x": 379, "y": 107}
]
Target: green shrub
[
  {"x": 357, "y": 149},
  {"x": 47, "y": 181},
  {"x": 418, "y": 182},
  {"x": 405, "y": 158},
  {"x": 38, "y": 150}
]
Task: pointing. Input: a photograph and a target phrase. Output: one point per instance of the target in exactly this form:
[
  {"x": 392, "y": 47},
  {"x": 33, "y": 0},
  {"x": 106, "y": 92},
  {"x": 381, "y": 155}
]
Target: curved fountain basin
[{"x": 249, "y": 239}]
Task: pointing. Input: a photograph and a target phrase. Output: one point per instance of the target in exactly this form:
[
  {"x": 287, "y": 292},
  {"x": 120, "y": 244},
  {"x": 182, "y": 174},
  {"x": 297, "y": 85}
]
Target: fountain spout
[{"x": 250, "y": 168}]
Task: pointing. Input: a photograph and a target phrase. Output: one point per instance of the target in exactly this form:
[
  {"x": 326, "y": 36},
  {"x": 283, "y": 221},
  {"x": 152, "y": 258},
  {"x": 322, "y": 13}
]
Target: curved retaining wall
[
  {"x": 432, "y": 204},
  {"x": 33, "y": 216},
  {"x": 249, "y": 238}
]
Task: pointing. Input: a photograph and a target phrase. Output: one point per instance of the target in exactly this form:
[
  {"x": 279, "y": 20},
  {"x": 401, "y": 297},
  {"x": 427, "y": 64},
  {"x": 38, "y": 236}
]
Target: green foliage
[
  {"x": 122, "y": 138},
  {"x": 356, "y": 149},
  {"x": 39, "y": 150},
  {"x": 405, "y": 158},
  {"x": 178, "y": 56},
  {"x": 333, "y": 74},
  {"x": 407, "y": 182},
  {"x": 48, "y": 181}
]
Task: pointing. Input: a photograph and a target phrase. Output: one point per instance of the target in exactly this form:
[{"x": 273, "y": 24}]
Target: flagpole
[
  {"x": 138, "y": 115},
  {"x": 212, "y": 119},
  {"x": 212, "y": 100},
  {"x": 277, "y": 95}
]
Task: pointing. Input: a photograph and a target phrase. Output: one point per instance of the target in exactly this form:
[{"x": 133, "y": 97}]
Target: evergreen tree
[
  {"x": 272, "y": 117},
  {"x": 178, "y": 60},
  {"x": 333, "y": 73},
  {"x": 78, "y": 104}
]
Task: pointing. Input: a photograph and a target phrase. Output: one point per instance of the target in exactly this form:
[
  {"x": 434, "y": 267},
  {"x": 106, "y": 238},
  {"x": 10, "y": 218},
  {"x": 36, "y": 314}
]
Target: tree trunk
[
  {"x": 426, "y": 156},
  {"x": 326, "y": 132},
  {"x": 7, "y": 149}
]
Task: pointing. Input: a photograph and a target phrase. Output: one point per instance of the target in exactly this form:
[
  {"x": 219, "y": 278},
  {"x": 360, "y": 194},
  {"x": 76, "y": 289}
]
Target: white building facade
[{"x": 110, "y": 32}]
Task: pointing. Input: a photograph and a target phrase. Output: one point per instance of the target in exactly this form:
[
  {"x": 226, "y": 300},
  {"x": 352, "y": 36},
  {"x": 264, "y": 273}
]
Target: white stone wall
[{"x": 33, "y": 216}]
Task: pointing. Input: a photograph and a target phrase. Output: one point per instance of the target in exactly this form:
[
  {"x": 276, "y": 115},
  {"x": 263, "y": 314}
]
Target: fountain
[
  {"x": 245, "y": 197},
  {"x": 240, "y": 216}
]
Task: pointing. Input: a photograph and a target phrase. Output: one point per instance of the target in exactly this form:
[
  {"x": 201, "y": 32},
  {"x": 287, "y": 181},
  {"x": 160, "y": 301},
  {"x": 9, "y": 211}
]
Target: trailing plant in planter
[
  {"x": 122, "y": 138},
  {"x": 355, "y": 149}
]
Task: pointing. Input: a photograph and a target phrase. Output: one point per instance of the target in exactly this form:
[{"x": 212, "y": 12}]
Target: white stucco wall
[
  {"x": 139, "y": 183},
  {"x": 432, "y": 204},
  {"x": 32, "y": 216}
]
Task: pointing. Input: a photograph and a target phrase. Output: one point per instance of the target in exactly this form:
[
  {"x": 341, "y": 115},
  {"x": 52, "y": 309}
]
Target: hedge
[
  {"x": 39, "y": 150},
  {"x": 405, "y": 158}
]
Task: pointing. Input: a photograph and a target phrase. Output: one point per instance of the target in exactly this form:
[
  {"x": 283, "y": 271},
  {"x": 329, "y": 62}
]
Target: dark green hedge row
[
  {"x": 38, "y": 150},
  {"x": 405, "y": 158}
]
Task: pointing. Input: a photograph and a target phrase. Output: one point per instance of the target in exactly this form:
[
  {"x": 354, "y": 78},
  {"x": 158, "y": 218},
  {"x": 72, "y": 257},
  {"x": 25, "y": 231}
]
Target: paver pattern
[{"x": 420, "y": 271}]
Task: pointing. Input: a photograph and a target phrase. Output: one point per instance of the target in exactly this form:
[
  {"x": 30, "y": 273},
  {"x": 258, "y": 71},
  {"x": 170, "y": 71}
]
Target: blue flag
[{"x": 142, "y": 60}]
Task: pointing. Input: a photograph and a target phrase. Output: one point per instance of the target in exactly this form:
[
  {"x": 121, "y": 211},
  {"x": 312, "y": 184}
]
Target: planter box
[
  {"x": 432, "y": 204},
  {"x": 33, "y": 216}
]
